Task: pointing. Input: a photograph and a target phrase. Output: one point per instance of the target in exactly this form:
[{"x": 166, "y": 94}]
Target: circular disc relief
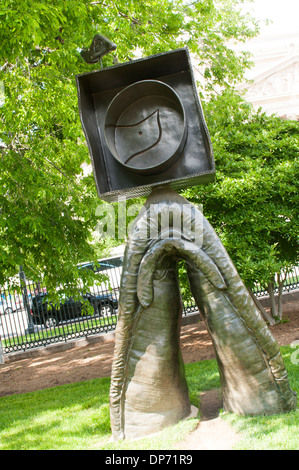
[{"x": 145, "y": 127}]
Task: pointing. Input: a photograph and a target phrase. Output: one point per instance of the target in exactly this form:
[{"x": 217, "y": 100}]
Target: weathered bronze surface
[
  {"x": 188, "y": 158},
  {"x": 99, "y": 47},
  {"x": 148, "y": 386},
  {"x": 145, "y": 127}
]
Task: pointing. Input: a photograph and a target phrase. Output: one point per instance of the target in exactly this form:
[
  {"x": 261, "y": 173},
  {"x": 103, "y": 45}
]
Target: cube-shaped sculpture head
[{"x": 145, "y": 127}]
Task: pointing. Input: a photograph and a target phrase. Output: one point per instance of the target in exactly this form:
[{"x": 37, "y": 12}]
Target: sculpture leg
[
  {"x": 249, "y": 382},
  {"x": 155, "y": 391},
  {"x": 253, "y": 376}
]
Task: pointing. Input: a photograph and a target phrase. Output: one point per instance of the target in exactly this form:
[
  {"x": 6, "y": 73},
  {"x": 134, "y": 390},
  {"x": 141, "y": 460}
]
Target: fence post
[
  {"x": 2, "y": 360},
  {"x": 26, "y": 302}
]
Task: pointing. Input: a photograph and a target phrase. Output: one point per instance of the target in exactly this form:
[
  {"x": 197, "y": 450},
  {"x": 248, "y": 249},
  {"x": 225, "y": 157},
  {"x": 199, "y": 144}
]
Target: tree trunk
[
  {"x": 266, "y": 316},
  {"x": 270, "y": 289},
  {"x": 280, "y": 286}
]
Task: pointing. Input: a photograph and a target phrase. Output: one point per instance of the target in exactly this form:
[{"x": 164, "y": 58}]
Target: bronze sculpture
[
  {"x": 147, "y": 136},
  {"x": 131, "y": 89},
  {"x": 148, "y": 385},
  {"x": 99, "y": 47}
]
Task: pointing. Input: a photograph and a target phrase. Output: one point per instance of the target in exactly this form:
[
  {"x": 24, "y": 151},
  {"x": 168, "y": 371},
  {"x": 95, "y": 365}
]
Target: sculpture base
[{"x": 192, "y": 415}]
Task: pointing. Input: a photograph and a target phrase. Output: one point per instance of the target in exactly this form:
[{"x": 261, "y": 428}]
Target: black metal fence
[
  {"x": 290, "y": 282},
  {"x": 26, "y": 322}
]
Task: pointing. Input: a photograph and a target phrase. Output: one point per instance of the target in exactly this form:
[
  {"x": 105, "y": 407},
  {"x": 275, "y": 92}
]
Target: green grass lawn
[
  {"x": 278, "y": 432},
  {"x": 76, "y": 416}
]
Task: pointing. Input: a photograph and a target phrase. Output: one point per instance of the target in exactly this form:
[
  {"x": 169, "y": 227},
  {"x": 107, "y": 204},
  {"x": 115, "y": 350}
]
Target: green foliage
[
  {"x": 253, "y": 204},
  {"x": 47, "y": 202}
]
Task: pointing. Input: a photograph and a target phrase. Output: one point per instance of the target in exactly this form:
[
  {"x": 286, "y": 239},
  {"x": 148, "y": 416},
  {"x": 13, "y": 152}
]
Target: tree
[
  {"x": 47, "y": 203},
  {"x": 254, "y": 203}
]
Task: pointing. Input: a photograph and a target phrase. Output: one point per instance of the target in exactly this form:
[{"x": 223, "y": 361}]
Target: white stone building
[{"x": 275, "y": 75}]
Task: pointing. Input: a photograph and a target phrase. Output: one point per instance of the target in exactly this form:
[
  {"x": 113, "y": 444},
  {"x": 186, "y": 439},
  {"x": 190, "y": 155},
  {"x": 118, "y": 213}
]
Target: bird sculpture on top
[{"x": 99, "y": 47}]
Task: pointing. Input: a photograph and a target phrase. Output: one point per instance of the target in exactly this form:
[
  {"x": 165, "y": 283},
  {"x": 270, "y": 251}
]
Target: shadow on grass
[
  {"x": 201, "y": 376},
  {"x": 276, "y": 432},
  {"x": 67, "y": 416},
  {"x": 76, "y": 416}
]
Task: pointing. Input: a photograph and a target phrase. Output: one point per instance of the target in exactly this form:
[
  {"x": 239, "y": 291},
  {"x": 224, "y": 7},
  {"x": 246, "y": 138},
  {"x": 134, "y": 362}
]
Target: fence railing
[
  {"x": 26, "y": 322},
  {"x": 290, "y": 283}
]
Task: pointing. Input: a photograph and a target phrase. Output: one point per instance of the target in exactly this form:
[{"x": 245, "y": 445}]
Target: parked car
[
  {"x": 109, "y": 267},
  {"x": 48, "y": 314},
  {"x": 5, "y": 308},
  {"x": 10, "y": 304}
]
